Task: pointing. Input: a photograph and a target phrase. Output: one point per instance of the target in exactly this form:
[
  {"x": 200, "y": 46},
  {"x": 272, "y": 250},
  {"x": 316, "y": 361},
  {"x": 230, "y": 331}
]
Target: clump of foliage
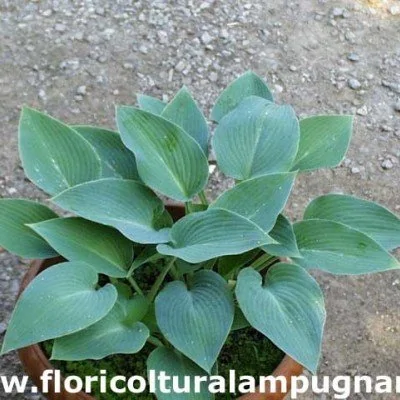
[
  {"x": 216, "y": 269},
  {"x": 245, "y": 351}
]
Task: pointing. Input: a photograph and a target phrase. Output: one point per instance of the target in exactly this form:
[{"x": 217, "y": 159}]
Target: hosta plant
[{"x": 234, "y": 262}]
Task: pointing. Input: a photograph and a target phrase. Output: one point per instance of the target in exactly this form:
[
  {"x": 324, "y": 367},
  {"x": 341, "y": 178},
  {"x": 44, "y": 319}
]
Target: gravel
[
  {"x": 354, "y": 84},
  {"x": 387, "y": 164},
  {"x": 353, "y": 57}
]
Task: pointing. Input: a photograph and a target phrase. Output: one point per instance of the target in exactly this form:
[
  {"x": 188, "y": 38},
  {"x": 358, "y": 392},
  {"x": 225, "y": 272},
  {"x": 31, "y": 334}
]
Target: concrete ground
[{"x": 77, "y": 59}]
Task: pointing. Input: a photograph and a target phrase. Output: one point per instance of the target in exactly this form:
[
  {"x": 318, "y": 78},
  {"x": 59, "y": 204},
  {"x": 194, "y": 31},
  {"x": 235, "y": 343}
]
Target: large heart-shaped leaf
[
  {"x": 288, "y": 308},
  {"x": 76, "y": 239},
  {"x": 15, "y": 236},
  {"x": 61, "y": 300},
  {"x": 234, "y": 223},
  {"x": 175, "y": 364},
  {"x": 259, "y": 200},
  {"x": 339, "y": 249},
  {"x": 150, "y": 104},
  {"x": 257, "y": 138},
  {"x": 116, "y": 160},
  {"x": 213, "y": 233},
  {"x": 168, "y": 159},
  {"x": 183, "y": 111},
  {"x": 324, "y": 140},
  {"x": 196, "y": 320},
  {"x": 283, "y": 233},
  {"x": 126, "y": 205},
  {"x": 248, "y": 84},
  {"x": 54, "y": 156},
  {"x": 366, "y": 216},
  {"x": 119, "y": 332}
]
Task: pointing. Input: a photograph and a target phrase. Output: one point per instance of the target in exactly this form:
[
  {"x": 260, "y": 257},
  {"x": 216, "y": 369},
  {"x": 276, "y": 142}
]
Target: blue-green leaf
[
  {"x": 257, "y": 138},
  {"x": 283, "y": 233},
  {"x": 119, "y": 332},
  {"x": 324, "y": 140},
  {"x": 76, "y": 239},
  {"x": 248, "y": 84},
  {"x": 128, "y": 206},
  {"x": 116, "y": 160},
  {"x": 150, "y": 104},
  {"x": 168, "y": 159},
  {"x": 15, "y": 236},
  {"x": 234, "y": 223},
  {"x": 339, "y": 249},
  {"x": 184, "y": 112},
  {"x": 366, "y": 216},
  {"x": 196, "y": 319},
  {"x": 60, "y": 301},
  {"x": 259, "y": 199},
  {"x": 288, "y": 308},
  {"x": 173, "y": 363},
  {"x": 213, "y": 233},
  {"x": 55, "y": 156}
]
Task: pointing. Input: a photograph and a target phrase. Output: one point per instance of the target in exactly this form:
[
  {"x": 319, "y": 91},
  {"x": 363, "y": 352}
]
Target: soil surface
[{"x": 76, "y": 60}]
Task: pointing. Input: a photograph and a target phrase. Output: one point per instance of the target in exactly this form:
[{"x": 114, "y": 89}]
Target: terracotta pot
[{"x": 35, "y": 362}]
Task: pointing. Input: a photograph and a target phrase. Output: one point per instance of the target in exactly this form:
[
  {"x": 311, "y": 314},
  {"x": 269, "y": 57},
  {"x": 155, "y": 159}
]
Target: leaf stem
[
  {"x": 203, "y": 198},
  {"x": 155, "y": 341},
  {"x": 131, "y": 269},
  {"x": 264, "y": 261},
  {"x": 268, "y": 264},
  {"x": 187, "y": 207},
  {"x": 135, "y": 285},
  {"x": 160, "y": 279},
  {"x": 174, "y": 273}
]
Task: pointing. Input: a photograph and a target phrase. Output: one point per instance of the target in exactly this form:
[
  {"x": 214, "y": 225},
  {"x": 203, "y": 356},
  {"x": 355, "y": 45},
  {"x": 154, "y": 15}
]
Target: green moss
[{"x": 246, "y": 351}]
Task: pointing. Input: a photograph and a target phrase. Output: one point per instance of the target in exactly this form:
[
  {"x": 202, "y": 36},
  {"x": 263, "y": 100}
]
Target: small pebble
[
  {"x": 387, "y": 164},
  {"x": 180, "y": 66},
  {"x": 12, "y": 190},
  {"x": 337, "y": 12},
  {"x": 100, "y": 11},
  {"x": 353, "y": 57},
  {"x": 293, "y": 68},
  {"x": 60, "y": 28},
  {"x": 213, "y": 77},
  {"x": 206, "y": 38},
  {"x": 3, "y": 327},
  {"x": 363, "y": 111},
  {"x": 143, "y": 49},
  {"x": 47, "y": 13},
  {"x": 354, "y": 83},
  {"x": 355, "y": 170},
  {"x": 394, "y": 10},
  {"x": 79, "y": 35},
  {"x": 162, "y": 37},
  {"x": 128, "y": 66},
  {"x": 397, "y": 105},
  {"x": 42, "y": 95},
  {"x": 81, "y": 90}
]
